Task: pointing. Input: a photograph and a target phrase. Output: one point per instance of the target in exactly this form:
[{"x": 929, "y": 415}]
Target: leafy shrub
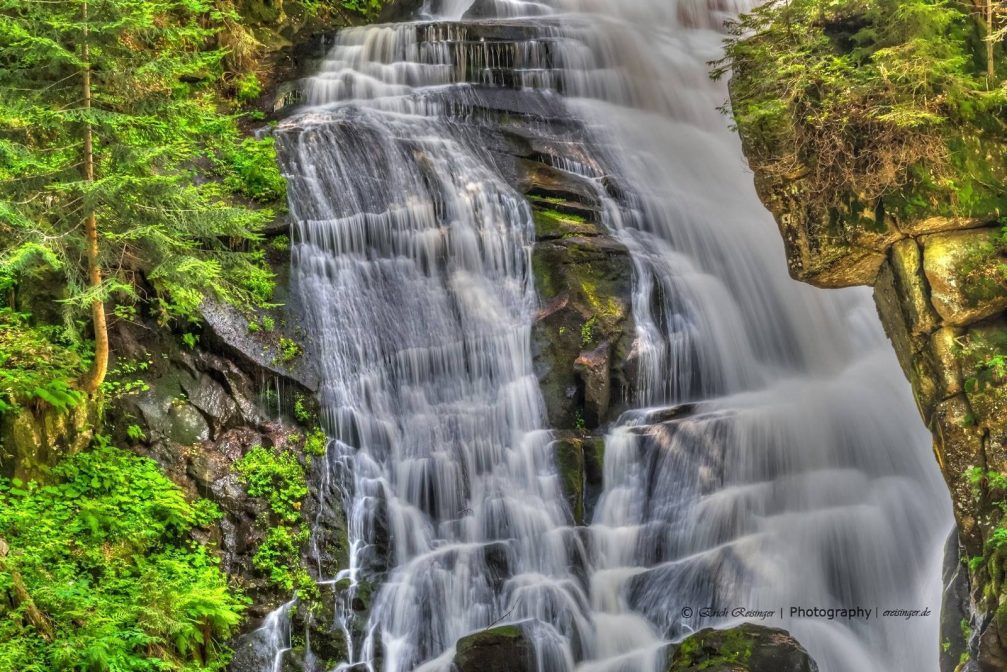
[
  {"x": 289, "y": 350},
  {"x": 858, "y": 98},
  {"x": 247, "y": 87},
  {"x": 276, "y": 557},
  {"x": 112, "y": 579},
  {"x": 316, "y": 443},
  {"x": 255, "y": 172},
  {"x": 276, "y": 475}
]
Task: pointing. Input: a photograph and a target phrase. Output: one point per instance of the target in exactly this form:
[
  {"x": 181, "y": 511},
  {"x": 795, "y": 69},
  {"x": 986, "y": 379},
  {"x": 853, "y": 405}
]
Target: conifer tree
[{"x": 115, "y": 161}]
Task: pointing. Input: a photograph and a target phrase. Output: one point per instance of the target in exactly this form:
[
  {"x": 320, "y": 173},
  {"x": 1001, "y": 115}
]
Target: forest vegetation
[{"x": 131, "y": 189}]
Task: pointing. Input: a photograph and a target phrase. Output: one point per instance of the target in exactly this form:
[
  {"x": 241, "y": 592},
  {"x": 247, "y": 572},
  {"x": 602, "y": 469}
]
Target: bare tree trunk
[
  {"x": 100, "y": 366},
  {"x": 990, "y": 73}
]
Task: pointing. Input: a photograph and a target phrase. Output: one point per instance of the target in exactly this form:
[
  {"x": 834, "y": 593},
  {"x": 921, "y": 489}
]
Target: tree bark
[
  {"x": 990, "y": 70},
  {"x": 100, "y": 366}
]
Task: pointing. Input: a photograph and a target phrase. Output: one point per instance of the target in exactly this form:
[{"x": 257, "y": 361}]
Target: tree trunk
[
  {"x": 100, "y": 366},
  {"x": 990, "y": 73}
]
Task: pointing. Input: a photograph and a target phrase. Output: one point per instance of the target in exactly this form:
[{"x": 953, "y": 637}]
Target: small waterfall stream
[{"x": 774, "y": 457}]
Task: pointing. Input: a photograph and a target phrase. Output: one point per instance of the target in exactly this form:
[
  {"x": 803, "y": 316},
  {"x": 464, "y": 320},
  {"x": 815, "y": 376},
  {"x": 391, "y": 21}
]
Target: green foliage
[
  {"x": 247, "y": 87},
  {"x": 280, "y": 243},
  {"x": 190, "y": 340},
  {"x": 276, "y": 475},
  {"x": 863, "y": 99},
  {"x": 587, "y": 331},
  {"x": 277, "y": 557},
  {"x": 302, "y": 413},
  {"x": 367, "y": 8},
  {"x": 36, "y": 363},
  {"x": 316, "y": 442},
  {"x": 105, "y": 555},
  {"x": 158, "y": 133},
  {"x": 136, "y": 433},
  {"x": 126, "y": 378},
  {"x": 254, "y": 171},
  {"x": 289, "y": 350}
]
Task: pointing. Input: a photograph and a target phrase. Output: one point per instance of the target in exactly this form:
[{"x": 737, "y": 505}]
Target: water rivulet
[{"x": 768, "y": 454}]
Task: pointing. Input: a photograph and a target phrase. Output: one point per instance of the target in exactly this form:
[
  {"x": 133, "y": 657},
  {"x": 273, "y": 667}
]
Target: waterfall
[{"x": 773, "y": 457}]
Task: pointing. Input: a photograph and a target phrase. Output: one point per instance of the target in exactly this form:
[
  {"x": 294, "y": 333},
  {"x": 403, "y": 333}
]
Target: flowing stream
[{"x": 775, "y": 457}]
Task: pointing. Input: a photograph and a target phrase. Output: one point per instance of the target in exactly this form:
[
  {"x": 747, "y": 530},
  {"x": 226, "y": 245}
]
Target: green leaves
[
  {"x": 278, "y": 476},
  {"x": 36, "y": 364},
  {"x": 104, "y": 552},
  {"x": 169, "y": 164}
]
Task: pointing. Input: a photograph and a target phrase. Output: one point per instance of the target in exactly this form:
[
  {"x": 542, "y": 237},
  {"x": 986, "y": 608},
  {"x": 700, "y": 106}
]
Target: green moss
[{"x": 709, "y": 649}]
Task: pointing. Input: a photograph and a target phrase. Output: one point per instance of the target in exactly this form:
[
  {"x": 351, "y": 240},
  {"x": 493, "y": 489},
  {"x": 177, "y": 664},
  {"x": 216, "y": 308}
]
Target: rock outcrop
[
  {"x": 941, "y": 294},
  {"x": 745, "y": 648}
]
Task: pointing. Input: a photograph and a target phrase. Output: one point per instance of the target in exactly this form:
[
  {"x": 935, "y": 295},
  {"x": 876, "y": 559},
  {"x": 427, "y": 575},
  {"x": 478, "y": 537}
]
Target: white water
[{"x": 802, "y": 477}]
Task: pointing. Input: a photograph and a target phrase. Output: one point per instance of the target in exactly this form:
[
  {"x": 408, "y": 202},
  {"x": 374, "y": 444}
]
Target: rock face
[
  {"x": 745, "y": 648},
  {"x": 941, "y": 294}
]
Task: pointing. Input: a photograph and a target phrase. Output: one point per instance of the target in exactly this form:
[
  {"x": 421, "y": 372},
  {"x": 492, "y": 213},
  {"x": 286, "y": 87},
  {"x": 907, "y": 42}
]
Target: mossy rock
[
  {"x": 745, "y": 648},
  {"x": 568, "y": 455},
  {"x": 963, "y": 270},
  {"x": 505, "y": 648},
  {"x": 33, "y": 438},
  {"x": 580, "y": 465},
  {"x": 585, "y": 287}
]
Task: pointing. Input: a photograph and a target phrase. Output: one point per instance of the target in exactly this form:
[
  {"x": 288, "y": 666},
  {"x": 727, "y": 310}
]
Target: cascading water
[{"x": 776, "y": 458}]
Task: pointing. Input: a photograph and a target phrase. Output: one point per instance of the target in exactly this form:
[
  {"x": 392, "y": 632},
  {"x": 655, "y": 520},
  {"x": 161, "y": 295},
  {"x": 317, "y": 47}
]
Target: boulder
[
  {"x": 745, "y": 648},
  {"x": 965, "y": 280},
  {"x": 505, "y": 648}
]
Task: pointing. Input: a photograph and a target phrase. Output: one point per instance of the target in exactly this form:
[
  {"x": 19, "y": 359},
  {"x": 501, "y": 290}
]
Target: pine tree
[{"x": 116, "y": 167}]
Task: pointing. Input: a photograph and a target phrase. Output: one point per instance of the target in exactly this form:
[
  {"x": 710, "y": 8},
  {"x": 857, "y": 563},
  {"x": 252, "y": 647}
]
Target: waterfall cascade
[{"x": 770, "y": 456}]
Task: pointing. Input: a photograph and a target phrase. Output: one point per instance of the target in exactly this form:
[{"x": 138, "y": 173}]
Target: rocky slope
[{"x": 940, "y": 294}]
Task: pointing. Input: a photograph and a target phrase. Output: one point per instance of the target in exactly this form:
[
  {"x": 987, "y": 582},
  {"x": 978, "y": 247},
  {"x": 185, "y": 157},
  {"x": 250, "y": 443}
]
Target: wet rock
[
  {"x": 594, "y": 368},
  {"x": 502, "y": 649},
  {"x": 958, "y": 447},
  {"x": 585, "y": 286},
  {"x": 213, "y": 401},
  {"x": 746, "y": 648},
  {"x": 954, "y": 605},
  {"x": 227, "y": 329},
  {"x": 568, "y": 455},
  {"x": 911, "y": 286},
  {"x": 185, "y": 425}
]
